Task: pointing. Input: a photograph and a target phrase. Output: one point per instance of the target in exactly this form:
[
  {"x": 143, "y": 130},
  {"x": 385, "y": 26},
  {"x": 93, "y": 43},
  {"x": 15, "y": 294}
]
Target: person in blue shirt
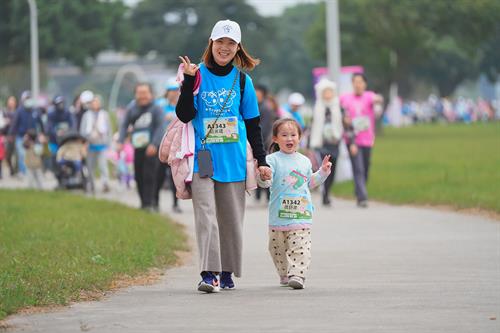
[
  {"x": 224, "y": 117},
  {"x": 27, "y": 117},
  {"x": 168, "y": 103},
  {"x": 295, "y": 102}
]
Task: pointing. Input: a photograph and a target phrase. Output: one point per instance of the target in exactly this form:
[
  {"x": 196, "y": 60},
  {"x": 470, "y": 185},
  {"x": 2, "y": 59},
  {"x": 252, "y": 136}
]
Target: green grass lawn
[
  {"x": 55, "y": 245},
  {"x": 456, "y": 165}
]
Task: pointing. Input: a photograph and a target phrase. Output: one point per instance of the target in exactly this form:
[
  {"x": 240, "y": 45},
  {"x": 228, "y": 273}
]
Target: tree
[
  {"x": 289, "y": 64},
  {"x": 71, "y": 30},
  {"x": 174, "y": 27},
  {"x": 442, "y": 42}
]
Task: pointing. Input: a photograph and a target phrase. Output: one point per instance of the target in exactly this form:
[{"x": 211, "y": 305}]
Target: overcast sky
[
  {"x": 264, "y": 7},
  {"x": 274, "y": 7}
]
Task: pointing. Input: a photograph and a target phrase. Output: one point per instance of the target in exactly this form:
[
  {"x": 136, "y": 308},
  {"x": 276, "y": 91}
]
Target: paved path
[{"x": 383, "y": 269}]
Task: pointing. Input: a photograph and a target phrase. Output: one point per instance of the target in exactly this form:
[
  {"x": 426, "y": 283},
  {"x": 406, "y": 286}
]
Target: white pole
[
  {"x": 35, "y": 78},
  {"x": 333, "y": 39}
]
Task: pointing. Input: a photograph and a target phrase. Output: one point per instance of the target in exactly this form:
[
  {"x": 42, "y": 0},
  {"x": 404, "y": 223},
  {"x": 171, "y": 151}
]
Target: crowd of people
[
  {"x": 79, "y": 140},
  {"x": 446, "y": 110}
]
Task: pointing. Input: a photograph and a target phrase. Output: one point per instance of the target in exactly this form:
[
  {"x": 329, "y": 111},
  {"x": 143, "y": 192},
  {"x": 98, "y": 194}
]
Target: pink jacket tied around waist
[{"x": 178, "y": 146}]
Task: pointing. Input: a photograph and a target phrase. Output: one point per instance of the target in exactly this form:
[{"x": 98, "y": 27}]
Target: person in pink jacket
[{"x": 360, "y": 110}]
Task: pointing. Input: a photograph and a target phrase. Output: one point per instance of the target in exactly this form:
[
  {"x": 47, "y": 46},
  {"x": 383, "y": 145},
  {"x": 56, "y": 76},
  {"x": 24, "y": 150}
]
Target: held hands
[
  {"x": 189, "y": 68},
  {"x": 347, "y": 121},
  {"x": 353, "y": 149},
  {"x": 265, "y": 173},
  {"x": 151, "y": 150},
  {"x": 326, "y": 165}
]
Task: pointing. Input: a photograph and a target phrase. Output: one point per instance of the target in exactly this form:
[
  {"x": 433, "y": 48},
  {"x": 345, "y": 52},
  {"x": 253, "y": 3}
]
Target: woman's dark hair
[
  {"x": 361, "y": 75},
  {"x": 242, "y": 59},
  {"x": 274, "y": 147}
]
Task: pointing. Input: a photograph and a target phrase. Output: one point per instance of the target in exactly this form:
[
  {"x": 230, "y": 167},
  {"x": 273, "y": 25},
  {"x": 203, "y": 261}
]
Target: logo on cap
[{"x": 227, "y": 28}]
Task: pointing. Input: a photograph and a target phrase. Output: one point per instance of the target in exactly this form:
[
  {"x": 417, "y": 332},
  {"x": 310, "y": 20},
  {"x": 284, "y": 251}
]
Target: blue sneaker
[
  {"x": 226, "y": 282},
  {"x": 209, "y": 282}
]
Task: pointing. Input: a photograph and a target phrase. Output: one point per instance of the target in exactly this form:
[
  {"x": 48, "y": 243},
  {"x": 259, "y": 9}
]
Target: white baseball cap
[
  {"x": 296, "y": 99},
  {"x": 86, "y": 97},
  {"x": 226, "y": 28}
]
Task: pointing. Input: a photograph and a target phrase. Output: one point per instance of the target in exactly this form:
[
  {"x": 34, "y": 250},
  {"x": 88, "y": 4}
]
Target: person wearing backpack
[{"x": 224, "y": 116}]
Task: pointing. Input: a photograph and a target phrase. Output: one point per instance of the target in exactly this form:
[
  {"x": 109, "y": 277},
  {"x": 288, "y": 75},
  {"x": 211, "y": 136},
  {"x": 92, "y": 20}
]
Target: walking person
[
  {"x": 360, "y": 110},
  {"x": 8, "y": 115},
  {"x": 224, "y": 115},
  {"x": 2, "y": 146},
  {"x": 326, "y": 129},
  {"x": 33, "y": 151},
  {"x": 290, "y": 208},
  {"x": 168, "y": 104},
  {"x": 81, "y": 105},
  {"x": 146, "y": 122},
  {"x": 96, "y": 129},
  {"x": 60, "y": 122},
  {"x": 293, "y": 109},
  {"x": 267, "y": 118},
  {"x": 27, "y": 117}
]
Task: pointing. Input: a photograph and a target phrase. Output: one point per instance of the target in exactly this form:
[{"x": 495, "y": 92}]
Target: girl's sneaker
[
  {"x": 296, "y": 282},
  {"x": 284, "y": 281},
  {"x": 226, "y": 282},
  {"x": 209, "y": 282}
]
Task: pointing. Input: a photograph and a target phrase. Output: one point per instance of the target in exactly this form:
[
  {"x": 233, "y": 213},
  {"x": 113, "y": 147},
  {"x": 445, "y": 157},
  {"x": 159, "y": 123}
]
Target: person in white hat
[
  {"x": 224, "y": 115},
  {"x": 168, "y": 103},
  {"x": 295, "y": 101},
  {"x": 86, "y": 97},
  {"x": 326, "y": 129}
]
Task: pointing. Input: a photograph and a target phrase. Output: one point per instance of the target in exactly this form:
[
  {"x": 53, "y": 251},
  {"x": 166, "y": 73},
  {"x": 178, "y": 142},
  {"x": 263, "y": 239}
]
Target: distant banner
[{"x": 346, "y": 72}]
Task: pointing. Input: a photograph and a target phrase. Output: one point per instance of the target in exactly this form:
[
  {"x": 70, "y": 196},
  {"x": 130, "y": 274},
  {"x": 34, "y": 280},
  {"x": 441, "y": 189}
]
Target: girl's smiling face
[
  {"x": 288, "y": 138},
  {"x": 223, "y": 50}
]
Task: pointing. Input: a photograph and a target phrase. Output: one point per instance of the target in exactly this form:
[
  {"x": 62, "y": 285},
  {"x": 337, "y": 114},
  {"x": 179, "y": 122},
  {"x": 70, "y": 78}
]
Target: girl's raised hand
[
  {"x": 189, "y": 68},
  {"x": 326, "y": 165}
]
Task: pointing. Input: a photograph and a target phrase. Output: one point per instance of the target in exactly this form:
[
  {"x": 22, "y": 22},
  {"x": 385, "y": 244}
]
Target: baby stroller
[{"x": 72, "y": 171}]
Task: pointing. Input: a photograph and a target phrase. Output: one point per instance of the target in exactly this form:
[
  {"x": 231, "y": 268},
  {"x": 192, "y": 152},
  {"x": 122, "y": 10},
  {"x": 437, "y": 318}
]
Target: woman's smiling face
[{"x": 223, "y": 50}]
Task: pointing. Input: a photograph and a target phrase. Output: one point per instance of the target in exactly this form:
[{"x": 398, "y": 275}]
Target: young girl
[
  {"x": 33, "y": 159},
  {"x": 290, "y": 207}
]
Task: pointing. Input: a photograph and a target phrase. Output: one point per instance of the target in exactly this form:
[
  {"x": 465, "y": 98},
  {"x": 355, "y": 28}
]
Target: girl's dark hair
[
  {"x": 242, "y": 59},
  {"x": 361, "y": 75},
  {"x": 274, "y": 147}
]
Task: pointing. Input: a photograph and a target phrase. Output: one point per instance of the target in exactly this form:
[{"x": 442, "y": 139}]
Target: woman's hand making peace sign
[{"x": 189, "y": 68}]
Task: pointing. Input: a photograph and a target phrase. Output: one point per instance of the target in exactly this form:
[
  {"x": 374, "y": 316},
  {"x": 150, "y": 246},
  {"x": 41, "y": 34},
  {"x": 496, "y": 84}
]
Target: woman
[
  {"x": 326, "y": 128},
  {"x": 96, "y": 128},
  {"x": 8, "y": 118},
  {"x": 224, "y": 116},
  {"x": 360, "y": 110}
]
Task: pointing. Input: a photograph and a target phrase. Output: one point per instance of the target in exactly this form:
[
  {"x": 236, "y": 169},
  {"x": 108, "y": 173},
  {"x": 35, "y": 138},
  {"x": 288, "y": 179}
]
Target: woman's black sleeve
[
  {"x": 254, "y": 135},
  {"x": 185, "y": 106}
]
